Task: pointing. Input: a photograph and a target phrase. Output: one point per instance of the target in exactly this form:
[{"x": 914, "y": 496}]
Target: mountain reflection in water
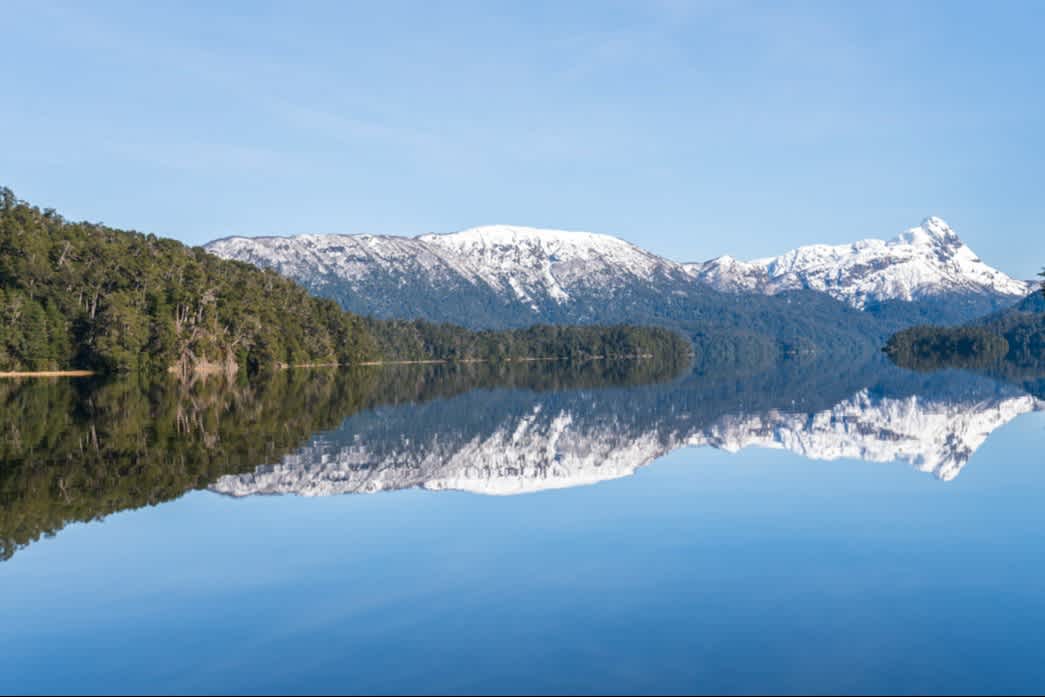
[{"x": 78, "y": 450}]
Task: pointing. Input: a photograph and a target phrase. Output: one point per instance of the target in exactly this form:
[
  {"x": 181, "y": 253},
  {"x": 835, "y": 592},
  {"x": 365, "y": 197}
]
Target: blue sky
[{"x": 691, "y": 128}]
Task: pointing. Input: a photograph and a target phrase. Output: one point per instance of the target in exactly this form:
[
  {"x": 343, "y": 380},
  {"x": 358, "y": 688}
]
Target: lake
[{"x": 611, "y": 527}]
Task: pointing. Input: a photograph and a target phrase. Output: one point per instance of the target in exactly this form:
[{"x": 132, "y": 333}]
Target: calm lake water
[{"x": 604, "y": 528}]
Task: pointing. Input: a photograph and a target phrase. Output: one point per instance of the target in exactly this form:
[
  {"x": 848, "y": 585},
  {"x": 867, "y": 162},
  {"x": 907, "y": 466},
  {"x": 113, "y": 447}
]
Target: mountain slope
[
  {"x": 502, "y": 276},
  {"x": 540, "y": 265},
  {"x": 928, "y": 261},
  {"x": 492, "y": 276}
]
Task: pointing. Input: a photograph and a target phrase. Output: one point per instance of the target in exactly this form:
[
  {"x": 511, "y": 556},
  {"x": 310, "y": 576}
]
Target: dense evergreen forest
[
  {"x": 84, "y": 295},
  {"x": 1005, "y": 342},
  {"x": 401, "y": 340},
  {"x": 929, "y": 347}
]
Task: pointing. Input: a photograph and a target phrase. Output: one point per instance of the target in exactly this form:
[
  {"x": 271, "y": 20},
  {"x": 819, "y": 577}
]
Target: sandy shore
[{"x": 47, "y": 374}]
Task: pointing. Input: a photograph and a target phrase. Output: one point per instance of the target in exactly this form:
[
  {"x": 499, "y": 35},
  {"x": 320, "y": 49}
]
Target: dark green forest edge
[
  {"x": 87, "y": 296},
  {"x": 1009, "y": 343}
]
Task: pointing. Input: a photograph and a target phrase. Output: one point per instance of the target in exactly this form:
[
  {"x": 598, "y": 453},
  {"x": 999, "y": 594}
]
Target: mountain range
[{"x": 497, "y": 276}]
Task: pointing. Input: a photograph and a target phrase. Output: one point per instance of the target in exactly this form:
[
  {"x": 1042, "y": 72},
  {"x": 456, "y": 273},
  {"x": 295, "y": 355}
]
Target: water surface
[{"x": 597, "y": 529}]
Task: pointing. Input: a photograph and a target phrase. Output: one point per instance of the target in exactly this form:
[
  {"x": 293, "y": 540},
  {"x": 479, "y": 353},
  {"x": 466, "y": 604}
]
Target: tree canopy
[{"x": 1006, "y": 341}]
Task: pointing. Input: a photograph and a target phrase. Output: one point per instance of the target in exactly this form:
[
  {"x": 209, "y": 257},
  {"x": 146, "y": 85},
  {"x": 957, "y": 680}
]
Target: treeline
[
  {"x": 930, "y": 348},
  {"x": 1023, "y": 327},
  {"x": 1008, "y": 342},
  {"x": 406, "y": 340},
  {"x": 84, "y": 295}
]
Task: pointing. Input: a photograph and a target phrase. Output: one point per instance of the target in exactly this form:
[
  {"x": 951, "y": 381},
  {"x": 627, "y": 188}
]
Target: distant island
[{"x": 85, "y": 296}]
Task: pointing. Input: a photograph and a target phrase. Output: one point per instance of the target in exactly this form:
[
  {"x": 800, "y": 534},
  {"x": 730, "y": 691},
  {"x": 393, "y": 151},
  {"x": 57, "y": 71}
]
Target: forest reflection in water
[{"x": 79, "y": 450}]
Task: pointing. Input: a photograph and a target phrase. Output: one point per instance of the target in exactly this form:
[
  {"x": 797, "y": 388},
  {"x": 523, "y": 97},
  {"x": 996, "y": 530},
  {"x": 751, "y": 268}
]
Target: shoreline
[
  {"x": 446, "y": 361},
  {"x": 430, "y": 361},
  {"x": 47, "y": 374}
]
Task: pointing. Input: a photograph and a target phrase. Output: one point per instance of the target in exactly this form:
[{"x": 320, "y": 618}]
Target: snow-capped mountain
[
  {"x": 512, "y": 276},
  {"x": 485, "y": 272},
  {"x": 537, "y": 266},
  {"x": 923, "y": 262},
  {"x": 528, "y": 442}
]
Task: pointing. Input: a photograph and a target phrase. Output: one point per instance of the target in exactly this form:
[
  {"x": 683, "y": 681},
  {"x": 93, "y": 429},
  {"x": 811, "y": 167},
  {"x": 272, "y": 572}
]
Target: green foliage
[
  {"x": 89, "y": 296},
  {"x": 1023, "y": 327},
  {"x": 1008, "y": 343},
  {"x": 928, "y": 347},
  {"x": 419, "y": 340},
  {"x": 86, "y": 295}
]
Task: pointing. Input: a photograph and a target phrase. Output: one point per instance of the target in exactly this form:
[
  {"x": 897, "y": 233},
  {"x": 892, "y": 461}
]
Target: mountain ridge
[
  {"x": 505, "y": 275},
  {"x": 923, "y": 261}
]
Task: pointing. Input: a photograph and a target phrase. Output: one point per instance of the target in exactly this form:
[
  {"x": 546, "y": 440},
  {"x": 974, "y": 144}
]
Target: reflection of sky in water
[{"x": 704, "y": 572}]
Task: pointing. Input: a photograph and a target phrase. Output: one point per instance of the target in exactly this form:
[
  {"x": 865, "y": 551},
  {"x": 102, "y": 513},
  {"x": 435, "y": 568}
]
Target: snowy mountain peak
[
  {"x": 513, "y": 243},
  {"x": 521, "y": 234},
  {"x": 543, "y": 266},
  {"x": 932, "y": 231},
  {"x": 934, "y": 222},
  {"x": 925, "y": 261}
]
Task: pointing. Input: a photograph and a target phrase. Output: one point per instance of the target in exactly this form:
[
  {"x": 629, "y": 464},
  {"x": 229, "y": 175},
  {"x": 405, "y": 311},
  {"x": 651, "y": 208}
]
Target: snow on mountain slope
[
  {"x": 536, "y": 263},
  {"x": 542, "y": 448},
  {"x": 537, "y": 268},
  {"x": 926, "y": 261},
  {"x": 343, "y": 257},
  {"x": 503, "y": 275}
]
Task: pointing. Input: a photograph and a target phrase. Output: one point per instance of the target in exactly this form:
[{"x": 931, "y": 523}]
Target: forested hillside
[
  {"x": 1014, "y": 337},
  {"x": 401, "y": 340},
  {"x": 84, "y": 295}
]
